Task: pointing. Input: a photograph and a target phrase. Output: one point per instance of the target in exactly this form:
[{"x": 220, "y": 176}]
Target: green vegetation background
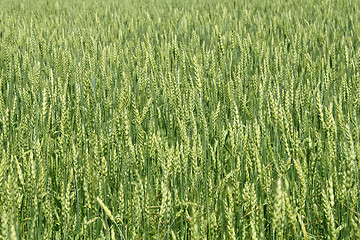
[{"x": 179, "y": 119}]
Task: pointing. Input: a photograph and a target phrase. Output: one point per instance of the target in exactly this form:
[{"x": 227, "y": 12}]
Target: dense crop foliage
[{"x": 191, "y": 120}]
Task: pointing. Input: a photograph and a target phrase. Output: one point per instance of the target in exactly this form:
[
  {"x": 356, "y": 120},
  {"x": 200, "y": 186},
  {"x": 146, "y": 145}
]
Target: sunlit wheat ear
[
  {"x": 106, "y": 209},
  {"x": 279, "y": 208}
]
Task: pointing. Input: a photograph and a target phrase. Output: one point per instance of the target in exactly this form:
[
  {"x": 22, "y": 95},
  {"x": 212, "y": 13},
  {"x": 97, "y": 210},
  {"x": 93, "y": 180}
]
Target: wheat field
[{"x": 145, "y": 119}]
